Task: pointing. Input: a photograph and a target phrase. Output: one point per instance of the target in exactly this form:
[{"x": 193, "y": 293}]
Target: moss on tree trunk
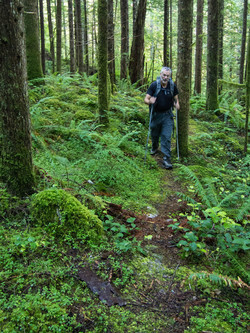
[{"x": 15, "y": 138}]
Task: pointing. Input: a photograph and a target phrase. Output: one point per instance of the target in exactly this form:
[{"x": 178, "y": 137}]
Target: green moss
[
  {"x": 84, "y": 115},
  {"x": 61, "y": 214}
]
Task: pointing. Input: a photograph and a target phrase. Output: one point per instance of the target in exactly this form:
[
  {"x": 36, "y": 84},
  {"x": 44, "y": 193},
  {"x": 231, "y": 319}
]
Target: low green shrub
[{"x": 61, "y": 214}]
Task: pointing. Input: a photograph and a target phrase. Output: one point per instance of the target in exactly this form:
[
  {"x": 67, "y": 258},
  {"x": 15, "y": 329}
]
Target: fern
[
  {"x": 219, "y": 279},
  {"x": 244, "y": 210},
  {"x": 198, "y": 186},
  {"x": 238, "y": 268}
]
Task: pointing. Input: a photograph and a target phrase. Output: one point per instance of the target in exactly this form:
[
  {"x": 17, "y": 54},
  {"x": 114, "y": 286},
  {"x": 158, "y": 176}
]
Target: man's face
[{"x": 165, "y": 76}]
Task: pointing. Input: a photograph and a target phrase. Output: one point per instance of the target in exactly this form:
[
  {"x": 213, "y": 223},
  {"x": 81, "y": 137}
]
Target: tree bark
[
  {"x": 42, "y": 36},
  {"x": 103, "y": 61},
  {"x": 16, "y": 168},
  {"x": 185, "y": 19},
  {"x": 247, "y": 92},
  {"x": 166, "y": 60},
  {"x": 51, "y": 36},
  {"x": 124, "y": 38},
  {"x": 111, "y": 43},
  {"x": 34, "y": 66},
  {"x": 71, "y": 37},
  {"x": 86, "y": 41},
  {"x": 212, "y": 55},
  {"x": 136, "y": 62},
  {"x": 221, "y": 35},
  {"x": 198, "y": 53},
  {"x": 243, "y": 41},
  {"x": 79, "y": 39},
  {"x": 59, "y": 36}
]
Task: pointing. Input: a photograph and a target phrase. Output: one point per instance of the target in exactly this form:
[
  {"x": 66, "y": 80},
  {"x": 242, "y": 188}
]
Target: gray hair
[{"x": 168, "y": 69}]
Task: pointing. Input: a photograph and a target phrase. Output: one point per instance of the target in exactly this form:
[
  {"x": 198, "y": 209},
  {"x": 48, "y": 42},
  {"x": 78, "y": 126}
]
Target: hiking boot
[
  {"x": 167, "y": 163},
  {"x": 153, "y": 151}
]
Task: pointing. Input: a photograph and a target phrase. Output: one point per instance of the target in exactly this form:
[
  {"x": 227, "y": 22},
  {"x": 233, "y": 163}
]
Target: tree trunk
[
  {"x": 79, "y": 39},
  {"x": 134, "y": 14},
  {"x": 59, "y": 36},
  {"x": 198, "y": 54},
  {"x": 171, "y": 36},
  {"x": 166, "y": 61},
  {"x": 86, "y": 41},
  {"x": 136, "y": 63},
  {"x": 124, "y": 38},
  {"x": 247, "y": 92},
  {"x": 15, "y": 139},
  {"x": 111, "y": 43},
  {"x": 71, "y": 37},
  {"x": 221, "y": 34},
  {"x": 243, "y": 42},
  {"x": 185, "y": 18},
  {"x": 212, "y": 55},
  {"x": 64, "y": 34},
  {"x": 42, "y": 36},
  {"x": 51, "y": 36},
  {"x": 34, "y": 66},
  {"x": 103, "y": 60}
]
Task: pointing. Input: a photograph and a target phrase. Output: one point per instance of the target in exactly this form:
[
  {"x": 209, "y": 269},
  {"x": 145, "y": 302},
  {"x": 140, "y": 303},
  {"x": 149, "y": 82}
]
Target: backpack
[
  {"x": 158, "y": 89},
  {"x": 158, "y": 86}
]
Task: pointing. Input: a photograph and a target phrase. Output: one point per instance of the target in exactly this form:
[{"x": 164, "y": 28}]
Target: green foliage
[
  {"x": 63, "y": 216},
  {"x": 218, "y": 317}
]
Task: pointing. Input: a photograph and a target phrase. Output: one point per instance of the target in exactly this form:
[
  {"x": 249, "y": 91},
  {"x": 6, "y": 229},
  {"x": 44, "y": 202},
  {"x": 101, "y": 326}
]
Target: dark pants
[{"x": 161, "y": 127}]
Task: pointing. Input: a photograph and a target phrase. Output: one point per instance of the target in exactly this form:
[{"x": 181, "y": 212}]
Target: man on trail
[{"x": 161, "y": 96}]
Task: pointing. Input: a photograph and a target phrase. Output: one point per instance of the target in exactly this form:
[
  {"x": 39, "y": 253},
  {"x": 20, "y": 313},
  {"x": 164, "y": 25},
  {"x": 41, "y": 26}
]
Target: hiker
[{"x": 162, "y": 95}]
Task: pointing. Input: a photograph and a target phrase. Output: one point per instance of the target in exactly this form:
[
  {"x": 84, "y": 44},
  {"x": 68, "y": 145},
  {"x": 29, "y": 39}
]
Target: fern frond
[
  {"x": 198, "y": 186},
  {"x": 244, "y": 210},
  {"x": 229, "y": 197},
  {"x": 238, "y": 268},
  {"x": 211, "y": 191},
  {"x": 186, "y": 198},
  {"x": 219, "y": 279}
]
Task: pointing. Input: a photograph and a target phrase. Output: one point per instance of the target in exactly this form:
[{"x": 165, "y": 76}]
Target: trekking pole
[
  {"x": 177, "y": 139},
  {"x": 150, "y": 118}
]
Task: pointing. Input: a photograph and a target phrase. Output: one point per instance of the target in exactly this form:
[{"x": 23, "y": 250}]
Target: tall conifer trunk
[
  {"x": 136, "y": 62},
  {"x": 212, "y": 55},
  {"x": 15, "y": 138},
  {"x": 103, "y": 61},
  {"x": 243, "y": 41},
  {"x": 124, "y": 38},
  {"x": 51, "y": 36},
  {"x": 34, "y": 65},
  {"x": 198, "y": 53},
  {"x": 59, "y": 36},
  {"x": 185, "y": 18},
  {"x": 71, "y": 37}
]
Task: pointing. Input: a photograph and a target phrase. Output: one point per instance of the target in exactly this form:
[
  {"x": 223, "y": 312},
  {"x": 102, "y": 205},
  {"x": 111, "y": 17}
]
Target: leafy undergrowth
[{"x": 167, "y": 250}]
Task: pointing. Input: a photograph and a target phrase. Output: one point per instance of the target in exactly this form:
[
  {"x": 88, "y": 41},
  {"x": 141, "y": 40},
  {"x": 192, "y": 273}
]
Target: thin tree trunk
[
  {"x": 221, "y": 35},
  {"x": 59, "y": 36},
  {"x": 166, "y": 61},
  {"x": 71, "y": 37},
  {"x": 103, "y": 61},
  {"x": 185, "y": 18},
  {"x": 198, "y": 54},
  {"x": 136, "y": 63},
  {"x": 42, "y": 36},
  {"x": 111, "y": 43},
  {"x": 34, "y": 66},
  {"x": 86, "y": 41},
  {"x": 79, "y": 39},
  {"x": 16, "y": 168},
  {"x": 212, "y": 55},
  {"x": 243, "y": 41},
  {"x": 51, "y": 36},
  {"x": 247, "y": 92},
  {"x": 64, "y": 34},
  {"x": 171, "y": 35},
  {"x": 124, "y": 38}
]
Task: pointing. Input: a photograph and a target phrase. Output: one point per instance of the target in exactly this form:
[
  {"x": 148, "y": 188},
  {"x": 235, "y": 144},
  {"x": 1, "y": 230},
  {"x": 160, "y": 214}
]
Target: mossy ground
[{"x": 136, "y": 201}]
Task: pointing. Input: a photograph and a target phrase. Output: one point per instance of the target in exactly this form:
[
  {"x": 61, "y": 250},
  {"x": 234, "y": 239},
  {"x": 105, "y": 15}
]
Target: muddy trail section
[{"x": 166, "y": 298}]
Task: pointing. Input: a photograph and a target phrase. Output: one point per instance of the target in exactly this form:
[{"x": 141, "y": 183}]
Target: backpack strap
[{"x": 158, "y": 86}]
